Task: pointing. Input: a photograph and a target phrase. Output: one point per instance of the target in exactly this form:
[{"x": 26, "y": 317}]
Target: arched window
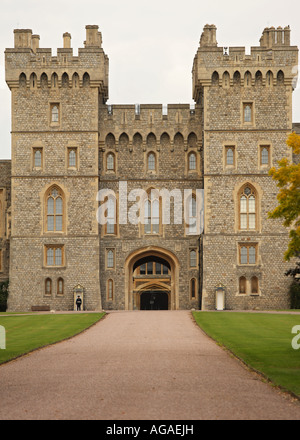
[
  {"x": 215, "y": 79},
  {"x": 65, "y": 80},
  {"x": 254, "y": 285},
  {"x": 151, "y": 161},
  {"x": 48, "y": 286},
  {"x": 193, "y": 288},
  {"x": 72, "y": 159},
  {"x": 37, "y": 160},
  {"x": 151, "y": 214},
  {"x": 54, "y": 209},
  {"x": 242, "y": 285},
  {"x": 110, "y": 141},
  {"x": 269, "y": 78},
  {"x": 248, "y": 201},
  {"x": 110, "y": 290},
  {"x": 280, "y": 77},
  {"x": 33, "y": 80},
  {"x": 247, "y": 113},
  {"x": 192, "y": 162},
  {"x": 236, "y": 78},
  {"x": 60, "y": 286},
  {"x": 86, "y": 80},
  {"x": 75, "y": 80},
  {"x": 44, "y": 80},
  {"x": 55, "y": 113},
  {"x": 226, "y": 79},
  {"x": 264, "y": 156},
  {"x": 248, "y": 79},
  {"x": 54, "y": 80},
  {"x": 110, "y": 162},
  {"x": 22, "y": 80},
  {"x": 258, "y": 78}
]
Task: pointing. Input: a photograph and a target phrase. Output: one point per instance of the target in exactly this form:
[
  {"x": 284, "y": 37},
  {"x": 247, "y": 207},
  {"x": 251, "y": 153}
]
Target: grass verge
[
  {"x": 27, "y": 333},
  {"x": 262, "y": 341}
]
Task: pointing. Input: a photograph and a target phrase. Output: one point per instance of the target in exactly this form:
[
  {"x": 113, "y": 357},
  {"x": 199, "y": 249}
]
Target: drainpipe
[{"x": 200, "y": 271}]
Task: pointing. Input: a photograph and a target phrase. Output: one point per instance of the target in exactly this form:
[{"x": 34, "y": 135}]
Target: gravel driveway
[{"x": 138, "y": 366}]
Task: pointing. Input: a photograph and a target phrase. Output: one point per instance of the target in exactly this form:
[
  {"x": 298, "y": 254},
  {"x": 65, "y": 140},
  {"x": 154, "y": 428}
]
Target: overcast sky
[{"x": 150, "y": 43}]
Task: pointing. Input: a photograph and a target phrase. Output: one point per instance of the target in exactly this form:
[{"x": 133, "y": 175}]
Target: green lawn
[
  {"x": 261, "y": 340},
  {"x": 28, "y": 332}
]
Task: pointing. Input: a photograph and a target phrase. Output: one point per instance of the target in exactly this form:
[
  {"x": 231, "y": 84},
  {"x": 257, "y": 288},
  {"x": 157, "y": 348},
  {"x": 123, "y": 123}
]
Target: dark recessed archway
[{"x": 154, "y": 300}]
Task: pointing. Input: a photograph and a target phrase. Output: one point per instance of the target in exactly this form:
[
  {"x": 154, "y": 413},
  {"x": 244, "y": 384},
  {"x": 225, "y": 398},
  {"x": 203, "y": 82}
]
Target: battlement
[
  {"x": 29, "y": 65},
  {"x": 274, "y": 62}
]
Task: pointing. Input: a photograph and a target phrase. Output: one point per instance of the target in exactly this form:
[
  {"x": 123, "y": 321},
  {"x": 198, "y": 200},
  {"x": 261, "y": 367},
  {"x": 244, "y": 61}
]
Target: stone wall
[{"x": 5, "y": 202}]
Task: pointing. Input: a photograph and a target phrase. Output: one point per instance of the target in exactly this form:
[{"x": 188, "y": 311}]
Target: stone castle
[{"x": 67, "y": 144}]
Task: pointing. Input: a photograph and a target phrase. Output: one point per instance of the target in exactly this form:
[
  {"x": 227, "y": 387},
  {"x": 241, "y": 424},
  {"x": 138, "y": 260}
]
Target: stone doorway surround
[{"x": 132, "y": 296}]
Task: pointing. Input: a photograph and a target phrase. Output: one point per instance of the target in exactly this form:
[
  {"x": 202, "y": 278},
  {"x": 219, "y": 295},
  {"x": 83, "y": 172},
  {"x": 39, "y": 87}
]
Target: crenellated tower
[
  {"x": 54, "y": 141},
  {"x": 247, "y": 108}
]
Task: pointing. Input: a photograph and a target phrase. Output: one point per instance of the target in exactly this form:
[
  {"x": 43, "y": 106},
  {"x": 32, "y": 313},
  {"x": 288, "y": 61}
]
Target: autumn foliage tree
[{"x": 288, "y": 209}]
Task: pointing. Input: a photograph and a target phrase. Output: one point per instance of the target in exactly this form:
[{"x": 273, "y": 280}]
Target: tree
[{"x": 288, "y": 180}]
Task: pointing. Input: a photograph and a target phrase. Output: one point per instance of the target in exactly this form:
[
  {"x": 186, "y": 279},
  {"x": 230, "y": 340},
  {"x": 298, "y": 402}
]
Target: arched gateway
[{"x": 151, "y": 280}]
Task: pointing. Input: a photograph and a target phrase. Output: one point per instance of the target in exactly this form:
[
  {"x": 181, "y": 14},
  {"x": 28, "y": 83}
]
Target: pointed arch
[
  {"x": 236, "y": 78},
  {"x": 86, "y": 80},
  {"x": 215, "y": 78},
  {"x": 22, "y": 80},
  {"x": 65, "y": 80},
  {"x": 54, "y": 208}
]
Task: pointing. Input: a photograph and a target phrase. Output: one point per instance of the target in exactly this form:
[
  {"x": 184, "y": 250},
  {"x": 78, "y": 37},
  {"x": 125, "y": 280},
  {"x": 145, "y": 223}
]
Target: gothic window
[
  {"x": 248, "y": 79},
  {"x": 72, "y": 157},
  {"x": 22, "y": 80},
  {"x": 54, "y": 80},
  {"x": 37, "y": 157},
  {"x": 192, "y": 161},
  {"x": 33, "y": 81},
  {"x": 65, "y": 80},
  {"x": 242, "y": 285},
  {"x": 110, "y": 162},
  {"x": 151, "y": 160},
  {"x": 110, "y": 259},
  {"x": 248, "y": 208},
  {"x": 215, "y": 79},
  {"x": 236, "y": 78},
  {"x": 48, "y": 286},
  {"x": 55, "y": 113},
  {"x": 54, "y": 210},
  {"x": 269, "y": 78},
  {"x": 264, "y": 155},
  {"x": 75, "y": 80},
  {"x": 86, "y": 80},
  {"x": 248, "y": 110},
  {"x": 60, "y": 286}
]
